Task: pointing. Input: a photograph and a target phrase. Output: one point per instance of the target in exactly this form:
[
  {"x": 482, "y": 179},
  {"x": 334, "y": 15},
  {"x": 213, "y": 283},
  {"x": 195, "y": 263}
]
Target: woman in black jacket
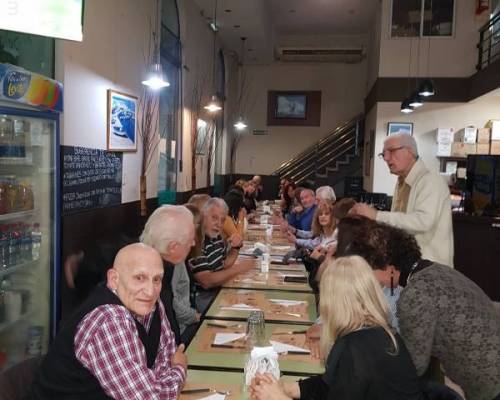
[{"x": 364, "y": 358}]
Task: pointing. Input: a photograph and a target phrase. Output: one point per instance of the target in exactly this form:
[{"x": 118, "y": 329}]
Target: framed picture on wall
[
  {"x": 122, "y": 122},
  {"x": 293, "y": 108},
  {"x": 394, "y": 128}
]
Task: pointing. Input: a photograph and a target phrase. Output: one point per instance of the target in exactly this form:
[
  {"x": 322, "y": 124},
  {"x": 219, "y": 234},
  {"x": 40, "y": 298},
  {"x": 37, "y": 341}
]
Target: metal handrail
[
  {"x": 488, "y": 49},
  {"x": 311, "y": 149}
]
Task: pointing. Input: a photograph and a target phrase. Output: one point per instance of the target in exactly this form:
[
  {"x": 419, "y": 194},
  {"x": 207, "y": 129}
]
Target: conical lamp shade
[
  {"x": 426, "y": 88},
  {"x": 415, "y": 100},
  {"x": 405, "y": 107},
  {"x": 214, "y": 105},
  {"x": 240, "y": 124},
  {"x": 156, "y": 78}
]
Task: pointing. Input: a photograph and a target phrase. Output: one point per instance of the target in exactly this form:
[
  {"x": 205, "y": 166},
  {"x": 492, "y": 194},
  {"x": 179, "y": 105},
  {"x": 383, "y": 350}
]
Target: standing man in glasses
[{"x": 421, "y": 203}]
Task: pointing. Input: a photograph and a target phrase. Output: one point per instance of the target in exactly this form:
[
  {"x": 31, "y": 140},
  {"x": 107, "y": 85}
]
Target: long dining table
[{"x": 219, "y": 349}]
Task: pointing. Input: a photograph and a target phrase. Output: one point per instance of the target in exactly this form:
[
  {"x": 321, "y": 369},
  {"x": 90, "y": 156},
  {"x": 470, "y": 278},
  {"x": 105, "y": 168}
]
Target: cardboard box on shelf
[
  {"x": 495, "y": 147},
  {"x": 466, "y": 135},
  {"x": 483, "y": 148},
  {"x": 444, "y": 150},
  {"x": 483, "y": 135},
  {"x": 461, "y": 173},
  {"x": 444, "y": 135},
  {"x": 494, "y": 125},
  {"x": 459, "y": 149}
]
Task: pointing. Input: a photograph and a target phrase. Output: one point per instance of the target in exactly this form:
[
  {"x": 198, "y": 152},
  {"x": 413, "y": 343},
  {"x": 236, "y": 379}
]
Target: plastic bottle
[
  {"x": 14, "y": 245},
  {"x": 36, "y": 241},
  {"x": 26, "y": 250},
  {"x": 4, "y": 247}
]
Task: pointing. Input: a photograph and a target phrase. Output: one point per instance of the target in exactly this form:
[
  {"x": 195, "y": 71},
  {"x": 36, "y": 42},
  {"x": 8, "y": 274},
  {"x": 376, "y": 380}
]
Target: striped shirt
[
  {"x": 212, "y": 257},
  {"x": 108, "y": 345}
]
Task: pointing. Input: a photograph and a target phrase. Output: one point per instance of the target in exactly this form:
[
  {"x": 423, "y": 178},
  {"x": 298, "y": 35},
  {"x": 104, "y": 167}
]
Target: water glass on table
[{"x": 256, "y": 331}]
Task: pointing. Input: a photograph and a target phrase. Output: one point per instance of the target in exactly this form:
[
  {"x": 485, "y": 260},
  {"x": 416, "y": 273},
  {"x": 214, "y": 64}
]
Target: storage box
[
  {"x": 483, "y": 148},
  {"x": 444, "y": 135},
  {"x": 466, "y": 135},
  {"x": 461, "y": 173},
  {"x": 495, "y": 147},
  {"x": 444, "y": 150},
  {"x": 494, "y": 125},
  {"x": 459, "y": 149},
  {"x": 484, "y": 135}
]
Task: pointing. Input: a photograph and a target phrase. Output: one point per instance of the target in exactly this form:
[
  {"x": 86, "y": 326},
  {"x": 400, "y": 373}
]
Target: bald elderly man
[{"x": 118, "y": 344}]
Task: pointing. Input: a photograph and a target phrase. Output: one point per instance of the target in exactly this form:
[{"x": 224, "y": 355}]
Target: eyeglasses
[{"x": 389, "y": 151}]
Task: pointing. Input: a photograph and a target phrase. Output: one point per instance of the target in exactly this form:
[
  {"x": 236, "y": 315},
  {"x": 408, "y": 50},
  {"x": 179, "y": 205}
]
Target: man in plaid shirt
[{"x": 119, "y": 343}]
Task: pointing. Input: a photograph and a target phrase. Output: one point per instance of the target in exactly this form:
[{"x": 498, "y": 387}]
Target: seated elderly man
[
  {"x": 118, "y": 344},
  {"x": 170, "y": 231},
  {"x": 215, "y": 265}
]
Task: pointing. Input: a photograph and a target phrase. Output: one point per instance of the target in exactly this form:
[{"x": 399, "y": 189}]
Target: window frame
[{"x": 421, "y": 33}]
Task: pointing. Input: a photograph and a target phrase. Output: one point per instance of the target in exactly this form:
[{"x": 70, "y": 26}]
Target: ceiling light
[
  {"x": 240, "y": 124},
  {"x": 426, "y": 88},
  {"x": 156, "y": 79},
  {"x": 214, "y": 105},
  {"x": 405, "y": 107},
  {"x": 415, "y": 100}
]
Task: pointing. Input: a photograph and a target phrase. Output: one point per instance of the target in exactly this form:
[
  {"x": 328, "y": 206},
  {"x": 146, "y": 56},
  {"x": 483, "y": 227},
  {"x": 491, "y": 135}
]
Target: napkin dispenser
[{"x": 262, "y": 360}]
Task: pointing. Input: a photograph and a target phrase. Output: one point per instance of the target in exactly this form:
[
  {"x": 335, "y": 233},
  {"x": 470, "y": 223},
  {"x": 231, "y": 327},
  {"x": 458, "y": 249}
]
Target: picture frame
[
  {"x": 293, "y": 108},
  {"x": 121, "y": 132},
  {"x": 394, "y": 128}
]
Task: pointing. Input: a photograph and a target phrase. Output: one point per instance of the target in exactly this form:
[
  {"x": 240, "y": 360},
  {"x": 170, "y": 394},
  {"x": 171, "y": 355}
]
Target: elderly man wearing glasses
[{"x": 421, "y": 203}]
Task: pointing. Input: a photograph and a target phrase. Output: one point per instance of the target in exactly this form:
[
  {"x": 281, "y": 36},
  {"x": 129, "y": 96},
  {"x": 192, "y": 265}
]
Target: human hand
[
  {"x": 284, "y": 225},
  {"x": 266, "y": 386},
  {"x": 179, "y": 357},
  {"x": 236, "y": 240},
  {"x": 363, "y": 210},
  {"x": 317, "y": 252},
  {"x": 291, "y": 237},
  {"x": 298, "y": 209},
  {"x": 331, "y": 250}
]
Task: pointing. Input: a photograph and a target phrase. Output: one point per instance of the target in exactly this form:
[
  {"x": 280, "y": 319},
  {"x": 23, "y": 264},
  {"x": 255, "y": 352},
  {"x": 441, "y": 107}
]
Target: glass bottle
[
  {"x": 4, "y": 247},
  {"x": 6, "y": 136},
  {"x": 36, "y": 241}
]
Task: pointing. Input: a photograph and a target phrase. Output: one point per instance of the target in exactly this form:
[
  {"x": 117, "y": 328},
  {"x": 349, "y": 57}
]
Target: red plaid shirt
[{"x": 108, "y": 345}]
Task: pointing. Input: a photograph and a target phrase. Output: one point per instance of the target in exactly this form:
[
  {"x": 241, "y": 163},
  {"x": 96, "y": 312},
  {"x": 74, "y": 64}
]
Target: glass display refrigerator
[{"x": 29, "y": 212}]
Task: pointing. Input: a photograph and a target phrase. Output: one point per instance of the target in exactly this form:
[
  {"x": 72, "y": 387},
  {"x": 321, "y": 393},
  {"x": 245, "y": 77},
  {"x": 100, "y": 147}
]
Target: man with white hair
[
  {"x": 421, "y": 203},
  {"x": 325, "y": 193},
  {"x": 215, "y": 266},
  {"x": 170, "y": 231}
]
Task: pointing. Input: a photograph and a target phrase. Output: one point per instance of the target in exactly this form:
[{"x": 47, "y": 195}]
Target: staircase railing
[
  {"x": 345, "y": 139},
  {"x": 489, "y": 42}
]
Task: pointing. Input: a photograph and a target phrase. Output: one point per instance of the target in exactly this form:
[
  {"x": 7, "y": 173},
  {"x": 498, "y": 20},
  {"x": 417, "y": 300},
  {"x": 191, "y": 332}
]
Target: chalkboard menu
[{"x": 91, "y": 178}]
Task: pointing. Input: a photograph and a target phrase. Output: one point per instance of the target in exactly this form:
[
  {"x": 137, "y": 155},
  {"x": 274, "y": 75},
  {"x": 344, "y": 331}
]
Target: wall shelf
[
  {"x": 16, "y": 268},
  {"x": 16, "y": 215}
]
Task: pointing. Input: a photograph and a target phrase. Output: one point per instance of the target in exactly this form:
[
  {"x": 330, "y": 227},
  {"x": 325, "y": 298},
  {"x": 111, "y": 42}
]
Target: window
[
  {"x": 170, "y": 52},
  {"x": 412, "y": 18}
]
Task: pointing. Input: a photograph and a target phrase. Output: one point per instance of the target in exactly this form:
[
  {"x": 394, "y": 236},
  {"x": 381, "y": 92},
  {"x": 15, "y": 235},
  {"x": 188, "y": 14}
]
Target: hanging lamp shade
[
  {"x": 426, "y": 88},
  {"x": 214, "y": 105},
  {"x": 405, "y": 107},
  {"x": 156, "y": 78},
  {"x": 240, "y": 124},
  {"x": 415, "y": 100}
]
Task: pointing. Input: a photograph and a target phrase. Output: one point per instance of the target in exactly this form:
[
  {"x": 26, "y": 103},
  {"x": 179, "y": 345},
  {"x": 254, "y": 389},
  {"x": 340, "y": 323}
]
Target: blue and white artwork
[
  {"x": 291, "y": 106},
  {"x": 122, "y": 122}
]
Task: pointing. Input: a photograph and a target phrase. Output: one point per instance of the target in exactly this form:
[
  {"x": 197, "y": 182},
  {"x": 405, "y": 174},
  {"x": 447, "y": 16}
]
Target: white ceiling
[{"x": 264, "y": 22}]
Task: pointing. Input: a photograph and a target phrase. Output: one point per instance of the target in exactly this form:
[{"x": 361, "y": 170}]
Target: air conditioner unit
[{"x": 353, "y": 54}]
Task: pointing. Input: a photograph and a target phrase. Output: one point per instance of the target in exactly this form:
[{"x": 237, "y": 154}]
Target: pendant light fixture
[
  {"x": 215, "y": 104},
  {"x": 415, "y": 99},
  {"x": 426, "y": 88},
  {"x": 155, "y": 77},
  {"x": 406, "y": 108},
  {"x": 240, "y": 124}
]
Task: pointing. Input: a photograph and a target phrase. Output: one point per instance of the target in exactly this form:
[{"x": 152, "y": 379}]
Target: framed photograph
[
  {"x": 122, "y": 122},
  {"x": 394, "y": 128},
  {"x": 293, "y": 108}
]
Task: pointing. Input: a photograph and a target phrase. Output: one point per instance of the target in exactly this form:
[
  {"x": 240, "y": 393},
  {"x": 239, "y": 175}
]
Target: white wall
[
  {"x": 373, "y": 51},
  {"x": 425, "y": 121},
  {"x": 449, "y": 57},
  {"x": 197, "y": 54},
  {"x": 342, "y": 87},
  {"x": 110, "y": 57}
]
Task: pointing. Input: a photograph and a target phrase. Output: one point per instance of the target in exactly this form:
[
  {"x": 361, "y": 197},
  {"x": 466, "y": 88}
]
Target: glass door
[{"x": 27, "y": 232}]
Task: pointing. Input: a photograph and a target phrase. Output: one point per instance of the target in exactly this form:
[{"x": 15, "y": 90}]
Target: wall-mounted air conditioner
[{"x": 352, "y": 54}]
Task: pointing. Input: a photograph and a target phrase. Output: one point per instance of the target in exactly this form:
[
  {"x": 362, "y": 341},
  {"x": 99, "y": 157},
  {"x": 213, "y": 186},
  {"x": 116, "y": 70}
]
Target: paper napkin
[
  {"x": 283, "y": 347},
  {"x": 223, "y": 338},
  {"x": 215, "y": 396}
]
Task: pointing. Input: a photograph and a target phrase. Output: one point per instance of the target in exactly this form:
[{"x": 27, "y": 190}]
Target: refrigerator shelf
[
  {"x": 23, "y": 317},
  {"x": 17, "y": 268},
  {"x": 16, "y": 215},
  {"x": 21, "y": 161}
]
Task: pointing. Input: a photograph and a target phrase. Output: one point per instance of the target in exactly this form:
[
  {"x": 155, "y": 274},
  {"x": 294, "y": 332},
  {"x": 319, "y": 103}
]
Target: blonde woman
[{"x": 364, "y": 359}]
